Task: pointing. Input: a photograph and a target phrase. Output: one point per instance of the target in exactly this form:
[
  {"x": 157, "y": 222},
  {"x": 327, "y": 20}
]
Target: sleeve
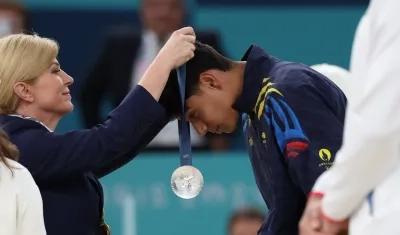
[
  {"x": 307, "y": 132},
  {"x": 372, "y": 126},
  {"x": 94, "y": 88},
  {"x": 30, "y": 219},
  {"x": 126, "y": 131},
  {"x": 117, "y": 162}
]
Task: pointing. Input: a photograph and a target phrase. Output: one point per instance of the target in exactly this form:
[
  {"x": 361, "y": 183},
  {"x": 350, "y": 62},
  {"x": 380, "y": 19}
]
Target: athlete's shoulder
[
  {"x": 284, "y": 84},
  {"x": 291, "y": 74}
]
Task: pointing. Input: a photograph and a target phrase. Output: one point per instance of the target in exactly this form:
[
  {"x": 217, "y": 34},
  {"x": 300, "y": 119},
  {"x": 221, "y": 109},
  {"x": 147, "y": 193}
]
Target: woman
[
  {"x": 34, "y": 96},
  {"x": 21, "y": 209}
]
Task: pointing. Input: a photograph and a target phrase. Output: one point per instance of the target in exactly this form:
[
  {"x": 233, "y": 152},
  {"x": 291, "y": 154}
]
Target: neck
[
  {"x": 238, "y": 70},
  {"x": 50, "y": 120}
]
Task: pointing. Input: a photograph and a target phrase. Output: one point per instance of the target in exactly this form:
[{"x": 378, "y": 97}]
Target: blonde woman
[
  {"x": 34, "y": 96},
  {"x": 21, "y": 208}
]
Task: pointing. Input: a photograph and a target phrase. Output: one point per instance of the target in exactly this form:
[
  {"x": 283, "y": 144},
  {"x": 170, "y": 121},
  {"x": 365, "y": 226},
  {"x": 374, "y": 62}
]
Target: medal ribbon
[{"x": 185, "y": 146}]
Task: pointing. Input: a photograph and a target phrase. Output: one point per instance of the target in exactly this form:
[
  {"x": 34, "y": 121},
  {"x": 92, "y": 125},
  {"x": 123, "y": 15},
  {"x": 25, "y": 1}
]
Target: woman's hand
[
  {"x": 177, "y": 51},
  {"x": 179, "y": 48}
]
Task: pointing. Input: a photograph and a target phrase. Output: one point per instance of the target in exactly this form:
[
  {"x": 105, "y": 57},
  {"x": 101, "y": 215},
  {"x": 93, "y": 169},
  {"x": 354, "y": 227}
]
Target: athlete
[{"x": 292, "y": 118}]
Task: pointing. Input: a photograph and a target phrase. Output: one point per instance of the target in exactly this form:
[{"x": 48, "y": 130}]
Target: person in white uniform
[
  {"x": 21, "y": 209},
  {"x": 363, "y": 183}
]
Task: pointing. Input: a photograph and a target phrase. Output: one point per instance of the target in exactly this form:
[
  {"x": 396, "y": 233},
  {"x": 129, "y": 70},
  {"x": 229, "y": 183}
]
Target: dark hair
[
  {"x": 7, "y": 149},
  {"x": 205, "y": 58},
  {"x": 250, "y": 213}
]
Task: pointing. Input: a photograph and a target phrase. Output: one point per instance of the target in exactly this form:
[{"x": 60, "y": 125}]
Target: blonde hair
[
  {"x": 23, "y": 58},
  {"x": 7, "y": 149}
]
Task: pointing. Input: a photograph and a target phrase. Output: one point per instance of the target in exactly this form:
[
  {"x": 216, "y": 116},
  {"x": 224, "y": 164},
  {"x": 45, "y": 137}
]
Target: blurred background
[{"x": 107, "y": 44}]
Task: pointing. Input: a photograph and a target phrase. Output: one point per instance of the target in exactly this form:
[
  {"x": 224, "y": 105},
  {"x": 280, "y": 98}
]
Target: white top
[
  {"x": 21, "y": 207},
  {"x": 371, "y": 144}
]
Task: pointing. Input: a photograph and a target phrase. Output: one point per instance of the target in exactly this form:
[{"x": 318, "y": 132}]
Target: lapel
[{"x": 99, "y": 189}]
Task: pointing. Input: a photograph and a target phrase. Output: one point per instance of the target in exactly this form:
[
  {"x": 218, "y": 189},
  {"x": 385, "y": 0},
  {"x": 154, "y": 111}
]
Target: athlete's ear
[{"x": 209, "y": 80}]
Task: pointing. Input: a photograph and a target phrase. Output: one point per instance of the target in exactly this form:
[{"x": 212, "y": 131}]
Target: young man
[{"x": 292, "y": 120}]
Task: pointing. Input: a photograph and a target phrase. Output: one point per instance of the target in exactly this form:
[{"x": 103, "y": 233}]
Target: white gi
[{"x": 364, "y": 182}]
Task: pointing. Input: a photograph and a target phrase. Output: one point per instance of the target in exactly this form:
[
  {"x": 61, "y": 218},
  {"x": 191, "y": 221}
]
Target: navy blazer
[{"x": 66, "y": 167}]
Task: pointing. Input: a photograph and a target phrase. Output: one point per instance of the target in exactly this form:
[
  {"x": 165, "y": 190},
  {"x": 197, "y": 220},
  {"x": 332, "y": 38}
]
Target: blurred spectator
[
  {"x": 13, "y": 17},
  {"x": 245, "y": 221},
  {"x": 126, "y": 56}
]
